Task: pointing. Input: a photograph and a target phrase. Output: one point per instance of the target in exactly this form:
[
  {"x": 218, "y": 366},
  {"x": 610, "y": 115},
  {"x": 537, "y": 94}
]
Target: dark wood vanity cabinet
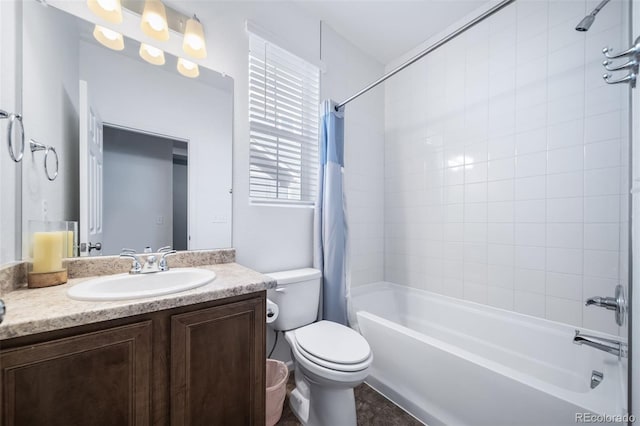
[{"x": 196, "y": 365}]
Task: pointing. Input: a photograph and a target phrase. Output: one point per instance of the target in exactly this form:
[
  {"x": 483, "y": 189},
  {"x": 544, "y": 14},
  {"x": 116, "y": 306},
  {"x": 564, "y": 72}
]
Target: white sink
[{"x": 136, "y": 286}]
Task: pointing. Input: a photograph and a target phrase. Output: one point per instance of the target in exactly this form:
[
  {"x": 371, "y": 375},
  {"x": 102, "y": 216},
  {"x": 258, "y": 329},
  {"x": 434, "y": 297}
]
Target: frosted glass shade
[
  {"x": 154, "y": 20},
  {"x": 188, "y": 68},
  {"x": 193, "y": 43},
  {"x": 109, "y": 10},
  {"x": 151, "y": 54},
  {"x": 108, "y": 38}
]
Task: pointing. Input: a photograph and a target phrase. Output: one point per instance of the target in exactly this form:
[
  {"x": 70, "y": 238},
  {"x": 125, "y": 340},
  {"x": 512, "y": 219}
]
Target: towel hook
[
  {"x": 12, "y": 117},
  {"x": 37, "y": 146}
]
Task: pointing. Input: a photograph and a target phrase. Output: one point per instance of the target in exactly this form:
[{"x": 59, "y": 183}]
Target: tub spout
[{"x": 614, "y": 347}]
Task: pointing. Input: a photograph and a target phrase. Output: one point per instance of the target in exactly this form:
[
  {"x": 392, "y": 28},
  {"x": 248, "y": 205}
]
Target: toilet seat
[{"x": 333, "y": 346}]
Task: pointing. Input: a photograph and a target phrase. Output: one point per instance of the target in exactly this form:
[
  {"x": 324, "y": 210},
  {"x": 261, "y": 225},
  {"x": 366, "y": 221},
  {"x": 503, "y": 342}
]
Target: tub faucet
[{"x": 614, "y": 347}]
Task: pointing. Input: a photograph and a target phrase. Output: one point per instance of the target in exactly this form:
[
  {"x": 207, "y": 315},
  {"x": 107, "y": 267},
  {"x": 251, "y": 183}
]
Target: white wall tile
[
  {"x": 529, "y": 303},
  {"x": 500, "y": 212},
  {"x": 503, "y": 168},
  {"x": 567, "y": 286},
  {"x": 500, "y": 297},
  {"x": 505, "y": 178},
  {"x": 602, "y": 154},
  {"x": 531, "y": 165},
  {"x": 501, "y": 190},
  {"x": 602, "y": 236},
  {"x": 565, "y": 160},
  {"x": 564, "y": 310},
  {"x": 568, "y": 261},
  {"x": 530, "y": 188},
  {"x": 562, "y": 210},
  {"x": 530, "y": 257},
  {"x": 531, "y": 234},
  {"x": 602, "y": 264},
  {"x": 565, "y": 185},
  {"x": 564, "y": 235},
  {"x": 602, "y": 209},
  {"x": 607, "y": 181},
  {"x": 530, "y": 211},
  {"x": 500, "y": 233}
]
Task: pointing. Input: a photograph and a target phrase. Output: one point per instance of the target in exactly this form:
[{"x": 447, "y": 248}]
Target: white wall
[
  {"x": 10, "y": 100},
  {"x": 506, "y": 165},
  {"x": 348, "y": 70},
  {"x": 135, "y": 214},
  {"x": 50, "y": 108}
]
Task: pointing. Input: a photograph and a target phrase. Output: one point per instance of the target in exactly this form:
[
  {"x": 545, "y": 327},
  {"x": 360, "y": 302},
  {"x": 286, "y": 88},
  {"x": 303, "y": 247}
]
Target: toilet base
[{"x": 316, "y": 405}]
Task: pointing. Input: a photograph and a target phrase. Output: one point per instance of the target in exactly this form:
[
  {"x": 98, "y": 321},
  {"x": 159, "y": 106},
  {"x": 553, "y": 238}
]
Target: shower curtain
[{"x": 330, "y": 219}]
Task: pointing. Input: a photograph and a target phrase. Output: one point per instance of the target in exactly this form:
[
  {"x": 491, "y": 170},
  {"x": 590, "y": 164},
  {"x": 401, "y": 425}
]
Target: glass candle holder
[{"x": 49, "y": 243}]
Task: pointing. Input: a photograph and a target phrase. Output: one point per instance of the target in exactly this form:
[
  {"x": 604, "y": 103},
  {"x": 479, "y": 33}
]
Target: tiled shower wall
[{"x": 506, "y": 162}]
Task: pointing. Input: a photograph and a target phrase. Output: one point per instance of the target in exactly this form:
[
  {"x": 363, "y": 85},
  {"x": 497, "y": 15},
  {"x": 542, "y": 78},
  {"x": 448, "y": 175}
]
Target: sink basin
[{"x": 126, "y": 286}]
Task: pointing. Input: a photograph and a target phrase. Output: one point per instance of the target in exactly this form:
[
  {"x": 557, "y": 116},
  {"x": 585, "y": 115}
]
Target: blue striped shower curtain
[{"x": 330, "y": 219}]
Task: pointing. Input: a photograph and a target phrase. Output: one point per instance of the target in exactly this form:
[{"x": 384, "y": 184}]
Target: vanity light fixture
[
  {"x": 109, "y": 10},
  {"x": 151, "y": 54},
  {"x": 188, "y": 68},
  {"x": 154, "y": 20},
  {"x": 193, "y": 43},
  {"x": 108, "y": 38}
]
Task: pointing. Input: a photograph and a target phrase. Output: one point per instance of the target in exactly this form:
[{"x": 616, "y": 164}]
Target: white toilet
[{"x": 330, "y": 359}]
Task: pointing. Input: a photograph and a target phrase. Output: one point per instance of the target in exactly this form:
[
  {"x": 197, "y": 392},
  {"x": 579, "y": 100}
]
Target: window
[{"x": 283, "y": 125}]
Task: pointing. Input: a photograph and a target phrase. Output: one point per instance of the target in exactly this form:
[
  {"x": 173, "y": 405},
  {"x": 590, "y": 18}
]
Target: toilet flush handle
[{"x": 281, "y": 289}]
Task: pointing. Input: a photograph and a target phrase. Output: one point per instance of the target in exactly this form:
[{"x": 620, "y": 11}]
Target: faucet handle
[
  {"x": 165, "y": 249},
  {"x": 136, "y": 266},
  {"x": 164, "y": 266},
  {"x": 618, "y": 303}
]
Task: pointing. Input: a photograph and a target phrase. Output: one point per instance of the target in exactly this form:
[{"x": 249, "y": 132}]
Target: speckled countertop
[{"x": 31, "y": 311}]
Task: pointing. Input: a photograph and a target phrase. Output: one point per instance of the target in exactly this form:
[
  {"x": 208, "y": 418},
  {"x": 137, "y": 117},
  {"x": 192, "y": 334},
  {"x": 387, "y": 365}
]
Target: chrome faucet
[
  {"x": 612, "y": 346},
  {"x": 618, "y": 303},
  {"x": 151, "y": 264}
]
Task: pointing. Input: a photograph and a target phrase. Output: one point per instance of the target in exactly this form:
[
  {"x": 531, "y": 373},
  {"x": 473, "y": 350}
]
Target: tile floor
[{"x": 372, "y": 409}]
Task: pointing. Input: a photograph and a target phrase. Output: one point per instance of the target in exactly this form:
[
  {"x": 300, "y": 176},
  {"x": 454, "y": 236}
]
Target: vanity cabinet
[
  {"x": 202, "y": 364},
  {"x": 96, "y": 378}
]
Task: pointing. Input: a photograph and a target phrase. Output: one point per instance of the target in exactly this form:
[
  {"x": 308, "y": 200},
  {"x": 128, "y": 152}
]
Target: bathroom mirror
[{"x": 145, "y": 153}]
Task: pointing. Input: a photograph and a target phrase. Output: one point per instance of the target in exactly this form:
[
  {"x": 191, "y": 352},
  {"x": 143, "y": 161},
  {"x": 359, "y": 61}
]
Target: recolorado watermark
[{"x": 604, "y": 418}]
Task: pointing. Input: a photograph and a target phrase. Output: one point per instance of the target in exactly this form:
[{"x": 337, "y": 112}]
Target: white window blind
[{"x": 283, "y": 125}]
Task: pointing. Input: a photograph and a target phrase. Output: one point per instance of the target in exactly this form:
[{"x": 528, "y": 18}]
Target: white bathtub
[{"x": 452, "y": 362}]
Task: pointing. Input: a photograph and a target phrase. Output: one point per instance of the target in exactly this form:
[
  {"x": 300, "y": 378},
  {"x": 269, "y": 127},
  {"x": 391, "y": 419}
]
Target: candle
[
  {"x": 70, "y": 244},
  {"x": 47, "y": 251}
]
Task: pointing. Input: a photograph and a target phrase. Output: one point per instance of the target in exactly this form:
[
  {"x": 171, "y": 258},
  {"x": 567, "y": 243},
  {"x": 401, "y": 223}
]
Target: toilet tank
[{"x": 297, "y": 296}]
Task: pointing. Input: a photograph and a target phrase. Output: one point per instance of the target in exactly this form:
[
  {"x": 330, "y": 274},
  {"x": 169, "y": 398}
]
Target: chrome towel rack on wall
[
  {"x": 35, "y": 146},
  {"x": 13, "y": 118},
  {"x": 632, "y": 64}
]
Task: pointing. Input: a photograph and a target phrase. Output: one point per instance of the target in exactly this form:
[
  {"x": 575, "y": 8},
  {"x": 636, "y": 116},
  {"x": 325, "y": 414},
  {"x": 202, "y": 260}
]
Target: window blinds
[{"x": 283, "y": 125}]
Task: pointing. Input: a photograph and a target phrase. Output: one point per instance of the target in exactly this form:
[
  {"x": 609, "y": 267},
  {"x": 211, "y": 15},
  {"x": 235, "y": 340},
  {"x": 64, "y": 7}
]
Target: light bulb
[
  {"x": 194, "y": 41},
  {"x": 108, "y": 5},
  {"x": 153, "y": 51},
  {"x": 188, "y": 64},
  {"x": 151, "y": 54},
  {"x": 108, "y": 38},
  {"x": 155, "y": 21},
  {"x": 109, "y": 34},
  {"x": 188, "y": 68}
]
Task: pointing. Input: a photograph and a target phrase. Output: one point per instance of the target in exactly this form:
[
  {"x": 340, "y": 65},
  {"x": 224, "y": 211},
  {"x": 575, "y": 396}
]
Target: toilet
[{"x": 330, "y": 359}]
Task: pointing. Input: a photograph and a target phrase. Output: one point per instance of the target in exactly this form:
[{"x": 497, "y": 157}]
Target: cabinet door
[
  {"x": 218, "y": 365},
  {"x": 100, "y": 378}
]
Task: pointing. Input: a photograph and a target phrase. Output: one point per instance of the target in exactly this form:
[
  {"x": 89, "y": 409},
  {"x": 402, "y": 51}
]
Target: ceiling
[{"x": 386, "y": 29}]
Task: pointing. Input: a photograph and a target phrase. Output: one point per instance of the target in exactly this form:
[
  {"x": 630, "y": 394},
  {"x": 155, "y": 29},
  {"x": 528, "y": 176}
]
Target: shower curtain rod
[{"x": 428, "y": 50}]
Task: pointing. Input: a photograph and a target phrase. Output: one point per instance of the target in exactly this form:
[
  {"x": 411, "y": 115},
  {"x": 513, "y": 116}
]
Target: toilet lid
[{"x": 333, "y": 342}]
